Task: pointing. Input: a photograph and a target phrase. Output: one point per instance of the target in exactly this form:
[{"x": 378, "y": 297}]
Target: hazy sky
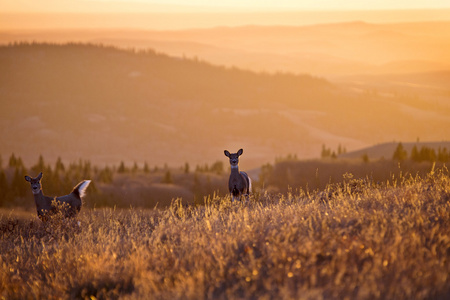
[
  {"x": 182, "y": 14},
  {"x": 308, "y": 4},
  {"x": 177, "y": 5}
]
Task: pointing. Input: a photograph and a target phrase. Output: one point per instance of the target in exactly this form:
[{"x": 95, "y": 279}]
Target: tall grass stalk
[{"x": 355, "y": 240}]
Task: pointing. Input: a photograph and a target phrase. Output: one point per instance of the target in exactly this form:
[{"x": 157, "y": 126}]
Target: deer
[
  {"x": 46, "y": 206},
  {"x": 239, "y": 183}
]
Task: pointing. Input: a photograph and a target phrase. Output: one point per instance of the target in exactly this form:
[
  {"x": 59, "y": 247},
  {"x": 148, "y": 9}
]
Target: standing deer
[
  {"x": 239, "y": 183},
  {"x": 71, "y": 203}
]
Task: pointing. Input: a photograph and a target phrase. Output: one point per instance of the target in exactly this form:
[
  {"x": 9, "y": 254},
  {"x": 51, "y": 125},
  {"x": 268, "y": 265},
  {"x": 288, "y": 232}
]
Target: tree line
[
  {"x": 60, "y": 178},
  {"x": 425, "y": 154},
  {"x": 328, "y": 152}
]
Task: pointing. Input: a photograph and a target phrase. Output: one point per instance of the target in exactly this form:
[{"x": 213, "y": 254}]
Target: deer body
[
  {"x": 45, "y": 205},
  {"x": 239, "y": 183}
]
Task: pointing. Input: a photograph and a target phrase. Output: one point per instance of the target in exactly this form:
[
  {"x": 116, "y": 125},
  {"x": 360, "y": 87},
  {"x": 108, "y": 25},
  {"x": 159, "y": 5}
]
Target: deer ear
[
  {"x": 227, "y": 154},
  {"x": 240, "y": 152},
  {"x": 28, "y": 178},
  {"x": 39, "y": 176}
]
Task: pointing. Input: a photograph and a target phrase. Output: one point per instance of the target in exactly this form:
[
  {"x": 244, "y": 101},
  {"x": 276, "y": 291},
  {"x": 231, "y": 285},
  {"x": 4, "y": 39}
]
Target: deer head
[
  {"x": 35, "y": 183},
  {"x": 234, "y": 157}
]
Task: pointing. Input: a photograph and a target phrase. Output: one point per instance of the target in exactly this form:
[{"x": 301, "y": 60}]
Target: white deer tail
[
  {"x": 248, "y": 180},
  {"x": 80, "y": 188}
]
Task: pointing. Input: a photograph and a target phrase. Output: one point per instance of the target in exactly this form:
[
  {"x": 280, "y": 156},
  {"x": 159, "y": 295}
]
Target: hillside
[
  {"x": 386, "y": 150},
  {"x": 109, "y": 105},
  {"x": 329, "y": 50}
]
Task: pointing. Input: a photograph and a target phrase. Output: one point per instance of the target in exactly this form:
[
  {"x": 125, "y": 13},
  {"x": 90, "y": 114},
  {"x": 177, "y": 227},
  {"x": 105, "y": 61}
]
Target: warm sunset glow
[
  {"x": 192, "y": 5},
  {"x": 341, "y": 110},
  {"x": 388, "y": 58},
  {"x": 51, "y": 14}
]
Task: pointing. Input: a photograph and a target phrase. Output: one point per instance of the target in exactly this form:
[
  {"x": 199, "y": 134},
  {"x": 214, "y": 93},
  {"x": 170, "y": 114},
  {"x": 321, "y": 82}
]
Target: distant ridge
[
  {"x": 108, "y": 105},
  {"x": 386, "y": 150}
]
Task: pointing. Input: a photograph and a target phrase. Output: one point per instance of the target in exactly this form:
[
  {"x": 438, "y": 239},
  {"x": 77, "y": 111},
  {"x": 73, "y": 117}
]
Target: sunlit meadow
[{"x": 355, "y": 240}]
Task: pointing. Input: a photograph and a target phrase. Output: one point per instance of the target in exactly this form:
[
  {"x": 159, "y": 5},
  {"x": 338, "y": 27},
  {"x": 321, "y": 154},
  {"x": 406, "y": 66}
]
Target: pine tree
[
  {"x": 443, "y": 155},
  {"x": 55, "y": 180},
  {"x": 40, "y": 165},
  {"x": 20, "y": 164},
  {"x": 122, "y": 168},
  {"x": 433, "y": 156},
  {"x": 365, "y": 158},
  {"x": 400, "y": 153},
  {"x": 12, "y": 161},
  {"x": 217, "y": 167},
  {"x": 415, "y": 155},
  {"x": 67, "y": 183},
  {"x": 135, "y": 168},
  {"x": 325, "y": 152},
  {"x": 265, "y": 174},
  {"x": 146, "y": 168},
  {"x": 87, "y": 169},
  {"x": 59, "y": 166},
  {"x": 427, "y": 154},
  {"x": 4, "y": 188},
  {"x": 19, "y": 187},
  {"x": 106, "y": 175},
  {"x": 167, "y": 177}
]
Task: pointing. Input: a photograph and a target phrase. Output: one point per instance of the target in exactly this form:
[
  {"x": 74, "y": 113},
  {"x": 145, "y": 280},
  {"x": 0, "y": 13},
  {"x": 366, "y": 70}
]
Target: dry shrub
[{"x": 357, "y": 240}]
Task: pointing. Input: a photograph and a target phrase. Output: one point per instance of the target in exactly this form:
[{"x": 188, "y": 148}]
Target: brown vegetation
[
  {"x": 388, "y": 241},
  {"x": 317, "y": 174}
]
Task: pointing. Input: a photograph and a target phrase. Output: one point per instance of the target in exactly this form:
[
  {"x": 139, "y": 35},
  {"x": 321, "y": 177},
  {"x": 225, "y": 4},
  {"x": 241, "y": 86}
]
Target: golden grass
[{"x": 354, "y": 241}]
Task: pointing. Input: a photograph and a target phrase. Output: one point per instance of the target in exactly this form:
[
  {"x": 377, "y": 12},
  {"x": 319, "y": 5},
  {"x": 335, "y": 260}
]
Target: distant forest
[
  {"x": 145, "y": 186},
  {"x": 111, "y": 185},
  {"x": 418, "y": 153},
  {"x": 426, "y": 154}
]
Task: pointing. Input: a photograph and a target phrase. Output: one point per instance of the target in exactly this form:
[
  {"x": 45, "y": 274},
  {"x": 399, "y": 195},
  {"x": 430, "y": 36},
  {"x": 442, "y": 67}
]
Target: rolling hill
[
  {"x": 109, "y": 105},
  {"x": 386, "y": 150},
  {"x": 330, "y": 50}
]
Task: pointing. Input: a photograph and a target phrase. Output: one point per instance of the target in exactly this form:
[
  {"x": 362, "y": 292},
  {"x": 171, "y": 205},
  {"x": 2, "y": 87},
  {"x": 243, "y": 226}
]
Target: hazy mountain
[
  {"x": 107, "y": 105},
  {"x": 327, "y": 50}
]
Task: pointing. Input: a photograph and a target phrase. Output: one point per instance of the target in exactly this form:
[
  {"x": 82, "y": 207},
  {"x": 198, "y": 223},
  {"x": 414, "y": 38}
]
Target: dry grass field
[{"x": 355, "y": 240}]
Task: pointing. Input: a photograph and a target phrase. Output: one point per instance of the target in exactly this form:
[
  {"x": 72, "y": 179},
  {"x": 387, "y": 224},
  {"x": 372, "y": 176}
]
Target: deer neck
[
  {"x": 41, "y": 200},
  {"x": 235, "y": 169}
]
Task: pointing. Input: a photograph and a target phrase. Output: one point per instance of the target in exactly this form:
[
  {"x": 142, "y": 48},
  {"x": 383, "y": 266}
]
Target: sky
[
  {"x": 96, "y": 6},
  {"x": 185, "y": 14}
]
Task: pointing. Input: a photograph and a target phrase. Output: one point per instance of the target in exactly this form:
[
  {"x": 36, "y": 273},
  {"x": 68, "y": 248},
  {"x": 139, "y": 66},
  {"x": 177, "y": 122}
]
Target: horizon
[
  {"x": 179, "y": 15},
  {"x": 121, "y": 6},
  {"x": 200, "y": 20}
]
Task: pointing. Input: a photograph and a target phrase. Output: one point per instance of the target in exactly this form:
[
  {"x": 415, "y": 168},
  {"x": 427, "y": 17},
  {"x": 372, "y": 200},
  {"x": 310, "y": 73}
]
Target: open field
[{"x": 357, "y": 240}]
